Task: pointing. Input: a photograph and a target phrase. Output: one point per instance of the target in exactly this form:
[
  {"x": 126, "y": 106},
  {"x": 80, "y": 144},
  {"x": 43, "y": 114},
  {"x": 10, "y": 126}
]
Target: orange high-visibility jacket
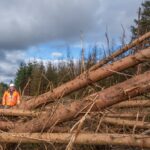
[{"x": 11, "y": 99}]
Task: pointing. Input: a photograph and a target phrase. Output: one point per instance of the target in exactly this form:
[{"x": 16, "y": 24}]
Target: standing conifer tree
[{"x": 142, "y": 24}]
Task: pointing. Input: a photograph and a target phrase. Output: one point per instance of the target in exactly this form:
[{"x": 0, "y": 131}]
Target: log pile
[{"x": 118, "y": 115}]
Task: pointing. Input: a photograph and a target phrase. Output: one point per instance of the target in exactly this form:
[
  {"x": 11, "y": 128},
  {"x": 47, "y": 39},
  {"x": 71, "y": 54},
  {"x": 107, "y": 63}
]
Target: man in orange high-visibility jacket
[{"x": 11, "y": 97}]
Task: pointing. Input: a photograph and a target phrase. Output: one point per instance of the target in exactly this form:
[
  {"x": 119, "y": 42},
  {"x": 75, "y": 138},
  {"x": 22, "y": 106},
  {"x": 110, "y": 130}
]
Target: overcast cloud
[{"x": 26, "y": 23}]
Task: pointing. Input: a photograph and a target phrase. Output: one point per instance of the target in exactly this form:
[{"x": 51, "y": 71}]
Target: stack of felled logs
[{"x": 128, "y": 122}]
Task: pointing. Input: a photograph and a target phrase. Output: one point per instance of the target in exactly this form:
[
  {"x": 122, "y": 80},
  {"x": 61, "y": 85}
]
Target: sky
[{"x": 47, "y": 29}]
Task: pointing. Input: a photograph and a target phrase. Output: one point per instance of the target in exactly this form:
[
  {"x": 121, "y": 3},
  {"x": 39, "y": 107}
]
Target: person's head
[{"x": 11, "y": 87}]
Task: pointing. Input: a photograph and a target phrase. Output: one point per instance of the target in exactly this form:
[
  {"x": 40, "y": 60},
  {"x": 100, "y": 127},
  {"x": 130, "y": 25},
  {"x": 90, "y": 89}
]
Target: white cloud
[
  {"x": 56, "y": 54},
  {"x": 54, "y": 62},
  {"x": 57, "y": 62},
  {"x": 29, "y": 22},
  {"x": 9, "y": 65}
]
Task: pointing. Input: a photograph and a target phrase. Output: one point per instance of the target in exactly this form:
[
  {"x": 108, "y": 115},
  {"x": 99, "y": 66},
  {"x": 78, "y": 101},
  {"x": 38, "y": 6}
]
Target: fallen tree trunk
[
  {"x": 133, "y": 103},
  {"x": 83, "y": 138},
  {"x": 7, "y": 125},
  {"x": 27, "y": 113},
  {"x": 129, "y": 123},
  {"x": 117, "y": 93},
  {"x": 85, "y": 79},
  {"x": 122, "y": 50},
  {"x": 127, "y": 115},
  {"x": 20, "y": 113}
]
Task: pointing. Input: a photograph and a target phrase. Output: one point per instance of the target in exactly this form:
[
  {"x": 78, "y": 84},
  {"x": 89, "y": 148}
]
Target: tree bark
[
  {"x": 129, "y": 123},
  {"x": 127, "y": 115},
  {"x": 133, "y": 103},
  {"x": 6, "y": 125},
  {"x": 117, "y": 93},
  {"x": 86, "y": 79},
  {"x": 27, "y": 113},
  {"x": 20, "y": 113},
  {"x": 126, "y": 104},
  {"x": 142, "y": 141},
  {"x": 121, "y": 51}
]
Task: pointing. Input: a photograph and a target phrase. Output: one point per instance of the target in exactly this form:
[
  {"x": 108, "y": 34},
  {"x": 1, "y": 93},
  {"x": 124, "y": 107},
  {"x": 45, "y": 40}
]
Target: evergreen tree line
[
  {"x": 142, "y": 24},
  {"x": 3, "y": 87},
  {"x": 35, "y": 78}
]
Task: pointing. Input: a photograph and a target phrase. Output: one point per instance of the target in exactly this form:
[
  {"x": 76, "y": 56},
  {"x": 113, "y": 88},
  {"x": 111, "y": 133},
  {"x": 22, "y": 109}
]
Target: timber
[
  {"x": 86, "y": 79},
  {"x": 142, "y": 141},
  {"x": 133, "y": 103},
  {"x": 29, "y": 113},
  {"x": 20, "y": 113},
  {"x": 127, "y": 115},
  {"x": 129, "y": 123},
  {"x": 122, "y": 91}
]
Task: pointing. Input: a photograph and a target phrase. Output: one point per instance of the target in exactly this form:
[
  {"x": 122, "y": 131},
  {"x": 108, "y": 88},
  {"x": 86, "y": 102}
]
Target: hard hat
[{"x": 11, "y": 85}]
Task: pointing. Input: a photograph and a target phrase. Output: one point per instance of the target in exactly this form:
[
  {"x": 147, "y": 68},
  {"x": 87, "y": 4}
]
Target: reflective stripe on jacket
[{"x": 11, "y": 99}]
